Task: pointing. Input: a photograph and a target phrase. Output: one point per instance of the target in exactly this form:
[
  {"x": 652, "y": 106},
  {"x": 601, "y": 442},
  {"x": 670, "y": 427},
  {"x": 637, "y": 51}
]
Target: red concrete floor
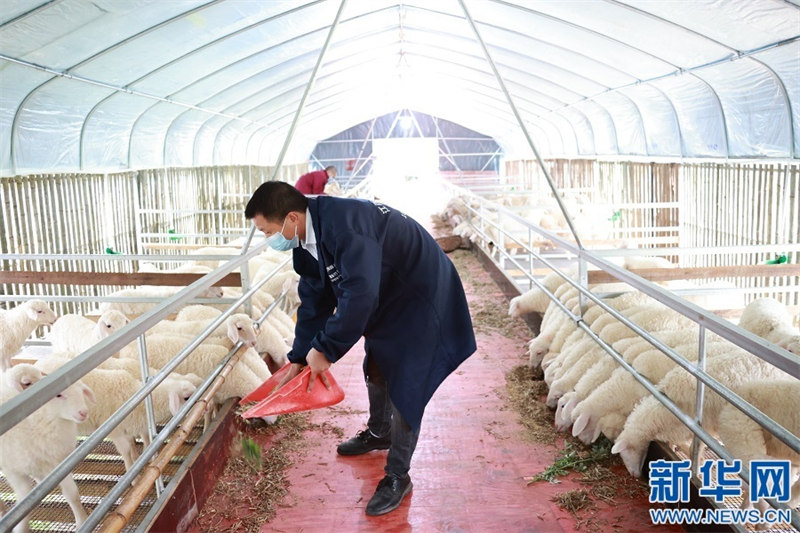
[{"x": 471, "y": 463}]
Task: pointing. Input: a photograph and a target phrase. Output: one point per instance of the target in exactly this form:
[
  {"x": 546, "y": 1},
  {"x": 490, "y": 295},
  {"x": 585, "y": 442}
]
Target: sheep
[
  {"x": 593, "y": 311},
  {"x": 16, "y": 379},
  {"x": 536, "y": 300},
  {"x": 37, "y": 444},
  {"x": 596, "y": 317},
  {"x": 579, "y": 342},
  {"x": 282, "y": 323},
  {"x": 747, "y": 440},
  {"x": 764, "y": 317},
  {"x": 197, "y": 312},
  {"x": 236, "y": 321},
  {"x": 113, "y": 387},
  {"x": 175, "y": 343},
  {"x": 76, "y": 333},
  {"x": 604, "y": 410},
  {"x": 17, "y": 323},
  {"x": 629, "y": 348},
  {"x": 649, "y": 316},
  {"x": 269, "y": 341},
  {"x": 650, "y": 420},
  {"x": 553, "y": 319},
  {"x": 202, "y": 361},
  {"x": 149, "y": 291},
  {"x": 770, "y": 320},
  {"x": 253, "y": 265},
  {"x": 287, "y": 280}
]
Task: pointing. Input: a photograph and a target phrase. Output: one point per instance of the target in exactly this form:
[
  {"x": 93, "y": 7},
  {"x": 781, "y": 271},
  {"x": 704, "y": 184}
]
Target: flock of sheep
[
  {"x": 34, "y": 447},
  {"x": 593, "y": 395}
]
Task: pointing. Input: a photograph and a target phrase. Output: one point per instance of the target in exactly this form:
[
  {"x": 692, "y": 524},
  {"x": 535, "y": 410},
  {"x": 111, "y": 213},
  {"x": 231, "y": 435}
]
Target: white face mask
[{"x": 280, "y": 243}]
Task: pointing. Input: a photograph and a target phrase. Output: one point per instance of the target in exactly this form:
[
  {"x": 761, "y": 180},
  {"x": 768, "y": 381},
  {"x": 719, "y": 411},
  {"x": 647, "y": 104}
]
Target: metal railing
[
  {"x": 478, "y": 208},
  {"x": 25, "y": 403}
]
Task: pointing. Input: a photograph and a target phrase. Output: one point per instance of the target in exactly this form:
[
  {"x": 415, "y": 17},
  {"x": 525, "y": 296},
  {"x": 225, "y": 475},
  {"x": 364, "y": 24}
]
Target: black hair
[{"x": 274, "y": 200}]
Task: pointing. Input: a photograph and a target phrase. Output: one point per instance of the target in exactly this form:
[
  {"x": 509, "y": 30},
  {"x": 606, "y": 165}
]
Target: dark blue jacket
[{"x": 387, "y": 280}]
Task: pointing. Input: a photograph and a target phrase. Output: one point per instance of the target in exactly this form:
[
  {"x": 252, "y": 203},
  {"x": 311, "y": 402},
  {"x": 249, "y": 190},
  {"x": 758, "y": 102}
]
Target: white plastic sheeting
[{"x": 110, "y": 84}]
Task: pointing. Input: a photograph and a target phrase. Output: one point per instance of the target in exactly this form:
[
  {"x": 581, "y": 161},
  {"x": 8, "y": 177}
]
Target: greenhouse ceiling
[{"x": 99, "y": 85}]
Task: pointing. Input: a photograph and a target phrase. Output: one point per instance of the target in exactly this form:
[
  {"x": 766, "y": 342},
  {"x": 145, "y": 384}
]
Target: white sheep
[
  {"x": 536, "y": 300},
  {"x": 36, "y": 445},
  {"x": 197, "y": 312},
  {"x": 747, "y": 440},
  {"x": 16, "y": 379},
  {"x": 597, "y": 318},
  {"x": 76, "y": 333},
  {"x": 222, "y": 334},
  {"x": 283, "y": 322},
  {"x": 16, "y": 325},
  {"x": 652, "y": 317},
  {"x": 629, "y": 348},
  {"x": 650, "y": 420},
  {"x": 112, "y": 388},
  {"x": 594, "y": 315},
  {"x": 648, "y": 316},
  {"x": 149, "y": 291},
  {"x": 202, "y": 361},
  {"x": 606, "y": 408},
  {"x": 579, "y": 342},
  {"x": 770, "y": 320},
  {"x": 271, "y": 342},
  {"x": 552, "y": 320}
]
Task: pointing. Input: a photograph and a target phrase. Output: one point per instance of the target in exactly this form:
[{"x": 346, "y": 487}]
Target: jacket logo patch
[
  {"x": 333, "y": 274},
  {"x": 383, "y": 209}
]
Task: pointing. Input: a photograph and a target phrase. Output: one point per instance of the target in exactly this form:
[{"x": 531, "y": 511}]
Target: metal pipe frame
[
  {"x": 28, "y": 401},
  {"x": 37, "y": 395},
  {"x": 144, "y": 368},
  {"x": 689, "y": 421},
  {"x": 746, "y": 340},
  {"x": 306, "y": 92},
  {"x": 521, "y": 123},
  {"x": 693, "y": 424},
  {"x": 740, "y": 337},
  {"x": 150, "y": 451}
]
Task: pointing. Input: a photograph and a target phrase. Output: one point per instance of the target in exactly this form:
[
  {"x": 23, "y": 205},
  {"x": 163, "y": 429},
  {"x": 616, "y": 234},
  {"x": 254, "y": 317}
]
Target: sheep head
[
  {"x": 110, "y": 322},
  {"x": 39, "y": 312},
  {"x": 241, "y": 328},
  {"x": 632, "y": 453},
  {"x": 73, "y": 402},
  {"x": 22, "y": 376}
]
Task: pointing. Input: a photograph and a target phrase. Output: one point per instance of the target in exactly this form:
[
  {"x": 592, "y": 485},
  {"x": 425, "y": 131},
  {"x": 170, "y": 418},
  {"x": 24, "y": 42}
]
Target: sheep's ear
[
  {"x": 233, "y": 332},
  {"x": 174, "y": 402},
  {"x": 87, "y": 392},
  {"x": 618, "y": 446}
]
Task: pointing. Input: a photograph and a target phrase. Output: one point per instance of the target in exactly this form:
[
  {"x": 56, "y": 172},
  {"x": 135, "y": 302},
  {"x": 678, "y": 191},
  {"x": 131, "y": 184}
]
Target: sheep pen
[{"x": 243, "y": 498}]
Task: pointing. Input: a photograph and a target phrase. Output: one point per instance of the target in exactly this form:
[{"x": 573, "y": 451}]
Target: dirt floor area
[{"x": 488, "y": 457}]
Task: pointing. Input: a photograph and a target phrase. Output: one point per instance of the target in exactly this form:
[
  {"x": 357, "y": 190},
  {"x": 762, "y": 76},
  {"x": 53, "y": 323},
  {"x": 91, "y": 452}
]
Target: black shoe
[
  {"x": 364, "y": 442},
  {"x": 389, "y": 494}
]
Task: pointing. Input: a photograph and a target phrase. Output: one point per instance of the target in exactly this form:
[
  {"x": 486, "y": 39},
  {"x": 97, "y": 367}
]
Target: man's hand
[
  {"x": 293, "y": 371},
  {"x": 318, "y": 364}
]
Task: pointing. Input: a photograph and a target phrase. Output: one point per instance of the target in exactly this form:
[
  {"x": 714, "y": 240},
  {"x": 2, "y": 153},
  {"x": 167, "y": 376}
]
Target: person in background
[
  {"x": 369, "y": 270},
  {"x": 314, "y": 182}
]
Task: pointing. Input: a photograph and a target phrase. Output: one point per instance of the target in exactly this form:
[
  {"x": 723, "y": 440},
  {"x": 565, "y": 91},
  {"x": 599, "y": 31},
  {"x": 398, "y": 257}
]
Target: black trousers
[{"x": 385, "y": 419}]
